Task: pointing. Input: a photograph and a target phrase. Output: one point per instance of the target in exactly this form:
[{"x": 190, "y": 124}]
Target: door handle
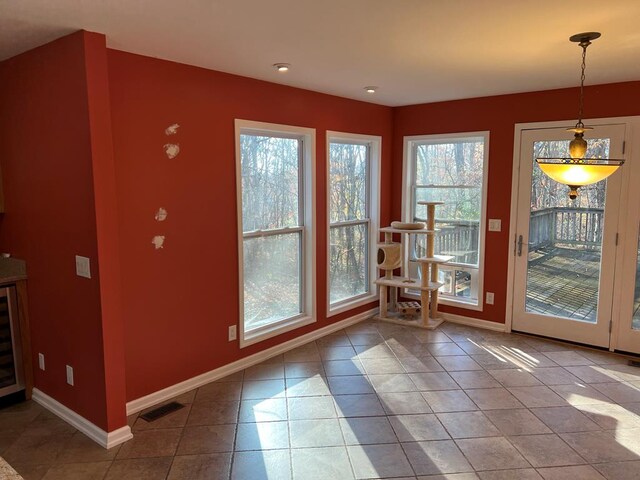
[{"x": 520, "y": 245}]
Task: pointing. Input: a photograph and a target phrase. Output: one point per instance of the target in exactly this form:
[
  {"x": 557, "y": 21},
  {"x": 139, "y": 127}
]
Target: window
[
  {"x": 275, "y": 218},
  {"x": 451, "y": 169},
  {"x": 353, "y": 186}
]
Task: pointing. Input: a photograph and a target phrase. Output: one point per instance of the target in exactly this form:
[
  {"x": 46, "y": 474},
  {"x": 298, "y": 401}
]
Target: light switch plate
[
  {"x": 70, "y": 375},
  {"x": 41, "y": 361},
  {"x": 232, "y": 333},
  {"x": 495, "y": 225},
  {"x": 489, "y": 298},
  {"x": 83, "y": 267}
]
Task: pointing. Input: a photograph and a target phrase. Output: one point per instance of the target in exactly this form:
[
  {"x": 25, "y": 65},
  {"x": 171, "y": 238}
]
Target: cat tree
[{"x": 396, "y": 255}]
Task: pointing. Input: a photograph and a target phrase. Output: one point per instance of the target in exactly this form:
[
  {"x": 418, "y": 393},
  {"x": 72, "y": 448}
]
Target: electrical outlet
[
  {"x": 83, "y": 267},
  {"x": 41, "y": 361},
  {"x": 232, "y": 333},
  {"x": 70, "y": 375},
  {"x": 489, "y": 298}
]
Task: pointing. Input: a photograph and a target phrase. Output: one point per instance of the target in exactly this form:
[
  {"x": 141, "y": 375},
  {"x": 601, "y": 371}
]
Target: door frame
[
  {"x": 594, "y": 331},
  {"x": 627, "y": 255},
  {"x": 632, "y": 149}
]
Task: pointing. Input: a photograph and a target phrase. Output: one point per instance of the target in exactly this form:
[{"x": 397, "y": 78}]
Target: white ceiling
[{"x": 415, "y": 51}]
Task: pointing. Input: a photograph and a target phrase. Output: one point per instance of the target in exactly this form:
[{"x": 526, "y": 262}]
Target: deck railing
[
  {"x": 566, "y": 226},
  {"x": 455, "y": 237},
  {"x": 459, "y": 239},
  {"x": 548, "y": 227}
]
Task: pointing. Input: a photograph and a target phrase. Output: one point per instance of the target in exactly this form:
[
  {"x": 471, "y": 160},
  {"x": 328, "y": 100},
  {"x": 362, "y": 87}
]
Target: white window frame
[
  {"x": 375, "y": 148},
  {"x": 408, "y": 177},
  {"x": 308, "y": 254}
]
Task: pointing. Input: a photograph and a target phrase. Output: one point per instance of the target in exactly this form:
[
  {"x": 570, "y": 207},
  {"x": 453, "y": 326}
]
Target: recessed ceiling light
[
  {"x": 282, "y": 67},
  {"x": 370, "y": 89}
]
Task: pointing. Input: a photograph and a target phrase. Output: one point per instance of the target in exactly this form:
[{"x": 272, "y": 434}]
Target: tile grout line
[{"x": 370, "y": 374}]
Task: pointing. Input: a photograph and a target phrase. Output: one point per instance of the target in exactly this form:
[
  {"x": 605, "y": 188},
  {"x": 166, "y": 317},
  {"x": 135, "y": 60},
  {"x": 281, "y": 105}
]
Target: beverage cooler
[{"x": 11, "y": 371}]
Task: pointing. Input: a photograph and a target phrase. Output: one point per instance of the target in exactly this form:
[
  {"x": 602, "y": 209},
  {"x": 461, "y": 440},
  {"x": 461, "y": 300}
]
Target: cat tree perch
[{"x": 395, "y": 255}]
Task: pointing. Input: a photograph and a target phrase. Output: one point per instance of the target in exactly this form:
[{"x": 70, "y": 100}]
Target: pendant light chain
[
  {"x": 584, "y": 45},
  {"x": 578, "y": 170}
]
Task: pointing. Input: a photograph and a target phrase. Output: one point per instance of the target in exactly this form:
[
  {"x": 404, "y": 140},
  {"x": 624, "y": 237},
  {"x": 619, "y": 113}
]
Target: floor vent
[
  {"x": 634, "y": 363},
  {"x": 159, "y": 412}
]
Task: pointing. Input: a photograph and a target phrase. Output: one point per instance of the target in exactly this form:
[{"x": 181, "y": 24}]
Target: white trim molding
[
  {"x": 626, "y": 218},
  {"x": 307, "y": 185},
  {"x": 154, "y": 398},
  {"x": 473, "y": 322},
  {"x": 95, "y": 433},
  {"x": 408, "y": 187}
]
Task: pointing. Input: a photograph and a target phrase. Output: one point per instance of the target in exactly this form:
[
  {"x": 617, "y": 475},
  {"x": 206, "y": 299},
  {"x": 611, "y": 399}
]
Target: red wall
[
  {"x": 499, "y": 115},
  {"x": 82, "y": 130},
  {"x": 179, "y": 301},
  {"x": 106, "y": 213},
  {"x": 48, "y": 157}
]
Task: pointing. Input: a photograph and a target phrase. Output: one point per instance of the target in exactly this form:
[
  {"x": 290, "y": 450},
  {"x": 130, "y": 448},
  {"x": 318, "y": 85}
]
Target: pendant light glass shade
[
  {"x": 577, "y": 170},
  {"x": 578, "y": 174},
  {"x": 575, "y": 174}
]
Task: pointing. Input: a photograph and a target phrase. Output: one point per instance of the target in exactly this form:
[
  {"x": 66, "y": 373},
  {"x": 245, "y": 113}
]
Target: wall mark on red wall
[
  {"x": 161, "y": 215},
  {"x": 172, "y": 129},
  {"x": 172, "y": 150},
  {"x": 158, "y": 241}
]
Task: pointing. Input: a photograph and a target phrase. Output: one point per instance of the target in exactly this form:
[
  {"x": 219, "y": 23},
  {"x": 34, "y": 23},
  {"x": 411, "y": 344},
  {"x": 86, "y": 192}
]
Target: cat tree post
[
  {"x": 388, "y": 274},
  {"x": 431, "y": 225},
  {"x": 392, "y": 256}
]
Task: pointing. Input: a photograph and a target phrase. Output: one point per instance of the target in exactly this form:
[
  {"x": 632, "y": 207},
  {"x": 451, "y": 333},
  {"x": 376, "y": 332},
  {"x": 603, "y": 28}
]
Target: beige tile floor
[{"x": 373, "y": 401}]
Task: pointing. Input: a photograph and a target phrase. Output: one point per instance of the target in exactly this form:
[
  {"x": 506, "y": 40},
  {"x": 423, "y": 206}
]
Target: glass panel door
[
  {"x": 635, "y": 318},
  {"x": 627, "y": 310},
  {"x": 565, "y": 249},
  {"x": 565, "y": 240}
]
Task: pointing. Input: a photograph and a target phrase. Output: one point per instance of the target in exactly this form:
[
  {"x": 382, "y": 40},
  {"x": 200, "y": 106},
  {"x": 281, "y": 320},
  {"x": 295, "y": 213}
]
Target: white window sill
[
  {"x": 351, "y": 304},
  {"x": 249, "y": 338},
  {"x": 442, "y": 300},
  {"x": 449, "y": 301}
]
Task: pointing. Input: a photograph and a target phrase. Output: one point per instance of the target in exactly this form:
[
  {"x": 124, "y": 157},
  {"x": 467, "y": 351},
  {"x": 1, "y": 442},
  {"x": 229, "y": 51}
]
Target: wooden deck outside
[
  {"x": 564, "y": 263},
  {"x": 564, "y": 282}
]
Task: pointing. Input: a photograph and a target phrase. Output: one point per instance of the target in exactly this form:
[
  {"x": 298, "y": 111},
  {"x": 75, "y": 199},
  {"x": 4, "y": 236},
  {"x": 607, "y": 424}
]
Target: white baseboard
[
  {"x": 473, "y": 322},
  {"x": 154, "y": 398},
  {"x": 105, "y": 439}
]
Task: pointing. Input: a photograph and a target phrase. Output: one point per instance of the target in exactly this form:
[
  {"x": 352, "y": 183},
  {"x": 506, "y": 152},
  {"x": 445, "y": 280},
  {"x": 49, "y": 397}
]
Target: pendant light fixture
[{"x": 578, "y": 170}]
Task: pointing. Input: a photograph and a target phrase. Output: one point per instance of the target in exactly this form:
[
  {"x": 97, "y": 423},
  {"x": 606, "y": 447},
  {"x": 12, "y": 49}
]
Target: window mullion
[
  {"x": 302, "y": 267},
  {"x": 349, "y": 223},
  {"x": 367, "y": 206},
  {"x": 301, "y": 176},
  {"x": 453, "y": 185},
  {"x": 414, "y": 181},
  {"x": 302, "y": 222},
  {"x": 269, "y": 233}
]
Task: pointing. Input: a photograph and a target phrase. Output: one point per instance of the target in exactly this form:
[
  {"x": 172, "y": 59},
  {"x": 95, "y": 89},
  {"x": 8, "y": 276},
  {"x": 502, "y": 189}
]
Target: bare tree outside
[
  {"x": 270, "y": 182},
  {"x": 547, "y": 193},
  {"x": 349, "y": 213},
  {"x": 271, "y": 203},
  {"x": 451, "y": 171}
]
